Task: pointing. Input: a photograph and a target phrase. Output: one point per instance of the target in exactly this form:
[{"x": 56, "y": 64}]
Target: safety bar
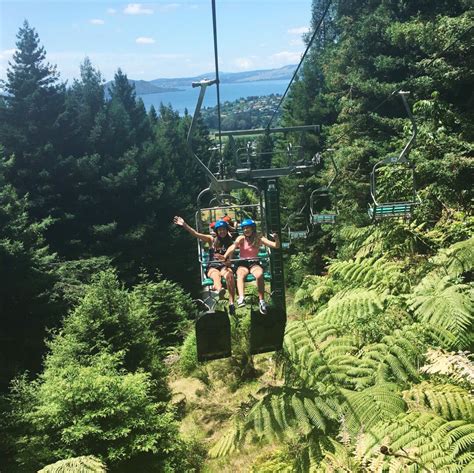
[{"x": 235, "y": 260}]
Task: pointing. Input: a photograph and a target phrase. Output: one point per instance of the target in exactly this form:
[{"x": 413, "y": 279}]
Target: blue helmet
[
  {"x": 221, "y": 224},
  {"x": 248, "y": 222}
]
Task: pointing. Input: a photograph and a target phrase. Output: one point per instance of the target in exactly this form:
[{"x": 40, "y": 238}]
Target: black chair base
[
  {"x": 213, "y": 340},
  {"x": 266, "y": 331}
]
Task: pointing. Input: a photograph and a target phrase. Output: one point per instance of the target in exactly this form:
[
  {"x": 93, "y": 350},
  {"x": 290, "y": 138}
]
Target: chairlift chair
[
  {"x": 327, "y": 216},
  {"x": 380, "y": 210}
]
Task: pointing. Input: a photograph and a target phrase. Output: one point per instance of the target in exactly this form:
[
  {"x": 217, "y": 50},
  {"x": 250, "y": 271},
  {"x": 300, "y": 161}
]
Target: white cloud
[
  {"x": 243, "y": 63},
  {"x": 169, "y": 7},
  {"x": 299, "y": 30},
  {"x": 285, "y": 57},
  {"x": 144, "y": 40},
  {"x": 296, "y": 42},
  {"x": 137, "y": 9},
  {"x": 7, "y": 53},
  {"x": 111, "y": 11},
  {"x": 96, "y": 21}
]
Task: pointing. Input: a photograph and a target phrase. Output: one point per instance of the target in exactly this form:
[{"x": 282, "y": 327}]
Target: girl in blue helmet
[
  {"x": 217, "y": 268},
  {"x": 249, "y": 244}
]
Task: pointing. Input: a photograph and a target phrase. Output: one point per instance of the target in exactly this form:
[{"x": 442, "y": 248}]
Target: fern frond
[
  {"x": 457, "y": 366},
  {"x": 440, "y": 302},
  {"x": 457, "y": 259},
  {"x": 394, "y": 238},
  {"x": 83, "y": 464},
  {"x": 396, "y": 356},
  {"x": 364, "y": 409},
  {"x": 226, "y": 444},
  {"x": 314, "y": 292},
  {"x": 337, "y": 458},
  {"x": 280, "y": 412},
  {"x": 374, "y": 273},
  {"x": 416, "y": 439},
  {"x": 318, "y": 358},
  {"x": 446, "y": 400},
  {"x": 353, "y": 305}
]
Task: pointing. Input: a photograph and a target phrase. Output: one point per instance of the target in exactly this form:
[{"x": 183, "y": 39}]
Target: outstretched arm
[
  {"x": 180, "y": 222},
  {"x": 269, "y": 243},
  {"x": 232, "y": 247}
]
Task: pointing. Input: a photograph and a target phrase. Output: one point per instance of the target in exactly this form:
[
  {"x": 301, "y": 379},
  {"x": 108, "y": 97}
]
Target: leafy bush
[{"x": 99, "y": 410}]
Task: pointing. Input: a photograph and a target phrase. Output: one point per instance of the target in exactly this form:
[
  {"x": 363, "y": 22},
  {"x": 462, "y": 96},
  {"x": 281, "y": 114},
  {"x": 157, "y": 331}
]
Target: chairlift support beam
[{"x": 263, "y": 131}]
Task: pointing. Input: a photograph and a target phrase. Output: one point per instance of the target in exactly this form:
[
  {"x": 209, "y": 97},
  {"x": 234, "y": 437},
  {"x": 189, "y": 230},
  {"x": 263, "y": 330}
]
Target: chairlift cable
[
  {"x": 300, "y": 63},
  {"x": 216, "y": 61}
]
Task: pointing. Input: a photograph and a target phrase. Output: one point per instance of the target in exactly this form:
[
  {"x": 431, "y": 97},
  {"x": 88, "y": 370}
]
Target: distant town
[{"x": 244, "y": 113}]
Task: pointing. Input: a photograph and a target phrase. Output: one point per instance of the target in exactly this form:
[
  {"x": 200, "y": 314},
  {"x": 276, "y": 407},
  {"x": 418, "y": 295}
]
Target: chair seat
[
  {"x": 206, "y": 282},
  {"x": 388, "y": 210},
  {"x": 297, "y": 235},
  {"x": 324, "y": 219},
  {"x": 266, "y": 276}
]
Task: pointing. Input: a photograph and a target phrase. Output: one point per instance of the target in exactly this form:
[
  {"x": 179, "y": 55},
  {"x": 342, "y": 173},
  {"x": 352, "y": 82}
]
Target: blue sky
[{"x": 159, "y": 39}]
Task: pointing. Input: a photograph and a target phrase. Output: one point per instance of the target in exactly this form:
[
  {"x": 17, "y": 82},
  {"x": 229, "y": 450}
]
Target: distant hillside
[
  {"x": 142, "y": 87},
  {"x": 282, "y": 73}
]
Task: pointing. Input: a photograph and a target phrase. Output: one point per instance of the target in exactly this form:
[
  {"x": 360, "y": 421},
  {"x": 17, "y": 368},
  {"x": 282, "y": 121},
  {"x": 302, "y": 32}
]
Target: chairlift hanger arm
[
  {"x": 411, "y": 142},
  {"x": 216, "y": 185},
  {"x": 325, "y": 188}
]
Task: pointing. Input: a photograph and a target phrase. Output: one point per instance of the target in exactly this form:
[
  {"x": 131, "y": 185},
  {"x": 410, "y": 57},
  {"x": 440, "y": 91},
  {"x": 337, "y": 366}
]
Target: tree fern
[
  {"x": 337, "y": 458},
  {"x": 314, "y": 292},
  {"x": 395, "y": 357},
  {"x": 318, "y": 354},
  {"x": 364, "y": 409},
  {"x": 280, "y": 412},
  {"x": 376, "y": 273},
  {"x": 441, "y": 302},
  {"x": 457, "y": 259},
  {"x": 395, "y": 238},
  {"x": 339, "y": 359},
  {"x": 84, "y": 464},
  {"x": 446, "y": 400},
  {"x": 418, "y": 442}
]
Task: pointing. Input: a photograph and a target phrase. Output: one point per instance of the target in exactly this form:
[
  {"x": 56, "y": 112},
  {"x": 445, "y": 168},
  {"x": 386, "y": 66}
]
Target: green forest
[{"x": 98, "y": 368}]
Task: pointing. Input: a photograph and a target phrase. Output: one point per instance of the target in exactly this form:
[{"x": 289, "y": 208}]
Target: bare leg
[
  {"x": 257, "y": 271},
  {"x": 242, "y": 271},
  {"x": 215, "y": 275},
  {"x": 229, "y": 277}
]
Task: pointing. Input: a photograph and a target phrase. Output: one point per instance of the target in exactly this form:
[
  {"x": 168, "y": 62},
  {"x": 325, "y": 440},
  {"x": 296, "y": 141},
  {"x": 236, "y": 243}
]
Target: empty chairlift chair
[
  {"x": 321, "y": 197},
  {"x": 400, "y": 167}
]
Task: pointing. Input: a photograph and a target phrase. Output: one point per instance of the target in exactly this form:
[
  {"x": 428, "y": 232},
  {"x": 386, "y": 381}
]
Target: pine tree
[
  {"x": 34, "y": 97},
  {"x": 29, "y": 126},
  {"x": 84, "y": 101},
  {"x": 27, "y": 274}
]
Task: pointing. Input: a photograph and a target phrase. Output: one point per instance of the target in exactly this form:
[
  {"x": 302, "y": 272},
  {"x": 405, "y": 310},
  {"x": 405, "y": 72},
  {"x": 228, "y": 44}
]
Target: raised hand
[{"x": 178, "y": 221}]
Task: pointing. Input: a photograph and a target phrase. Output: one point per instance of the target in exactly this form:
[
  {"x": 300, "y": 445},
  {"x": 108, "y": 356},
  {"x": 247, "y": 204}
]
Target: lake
[{"x": 187, "y": 98}]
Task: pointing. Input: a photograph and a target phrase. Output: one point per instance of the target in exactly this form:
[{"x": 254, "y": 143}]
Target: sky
[{"x": 161, "y": 39}]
